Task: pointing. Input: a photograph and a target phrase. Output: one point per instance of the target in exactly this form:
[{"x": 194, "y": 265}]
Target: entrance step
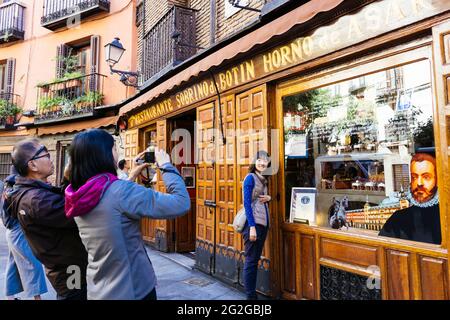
[{"x": 180, "y": 259}]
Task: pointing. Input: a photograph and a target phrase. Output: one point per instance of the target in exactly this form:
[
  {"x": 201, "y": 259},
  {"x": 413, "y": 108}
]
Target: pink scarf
[{"x": 86, "y": 198}]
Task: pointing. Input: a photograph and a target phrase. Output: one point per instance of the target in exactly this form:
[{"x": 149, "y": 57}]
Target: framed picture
[
  {"x": 188, "y": 174},
  {"x": 303, "y": 205},
  {"x": 296, "y": 146}
]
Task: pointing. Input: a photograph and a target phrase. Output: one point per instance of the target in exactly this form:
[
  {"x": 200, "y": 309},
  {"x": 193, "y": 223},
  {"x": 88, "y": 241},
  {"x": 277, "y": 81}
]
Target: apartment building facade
[{"x": 55, "y": 81}]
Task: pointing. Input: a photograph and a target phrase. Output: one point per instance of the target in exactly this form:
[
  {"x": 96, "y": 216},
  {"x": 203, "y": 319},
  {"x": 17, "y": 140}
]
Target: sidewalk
[{"x": 177, "y": 280}]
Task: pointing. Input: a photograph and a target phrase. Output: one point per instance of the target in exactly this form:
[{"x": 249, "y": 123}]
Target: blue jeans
[
  {"x": 253, "y": 251},
  {"x": 23, "y": 271}
]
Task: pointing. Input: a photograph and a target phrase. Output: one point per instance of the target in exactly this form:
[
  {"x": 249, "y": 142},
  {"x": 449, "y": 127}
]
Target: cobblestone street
[{"x": 177, "y": 280}]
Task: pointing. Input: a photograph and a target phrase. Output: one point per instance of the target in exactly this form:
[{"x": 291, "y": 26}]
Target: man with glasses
[{"x": 39, "y": 207}]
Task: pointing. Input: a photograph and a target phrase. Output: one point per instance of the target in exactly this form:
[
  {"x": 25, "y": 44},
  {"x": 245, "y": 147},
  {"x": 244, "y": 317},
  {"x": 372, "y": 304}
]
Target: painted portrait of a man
[{"x": 421, "y": 221}]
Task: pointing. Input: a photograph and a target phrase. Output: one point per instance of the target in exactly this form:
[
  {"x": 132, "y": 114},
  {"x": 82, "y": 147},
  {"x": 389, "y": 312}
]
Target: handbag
[{"x": 239, "y": 220}]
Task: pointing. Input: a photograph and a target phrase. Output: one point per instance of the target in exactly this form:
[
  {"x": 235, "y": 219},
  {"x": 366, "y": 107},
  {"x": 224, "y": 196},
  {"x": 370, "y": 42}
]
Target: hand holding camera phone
[
  {"x": 157, "y": 156},
  {"x": 149, "y": 155}
]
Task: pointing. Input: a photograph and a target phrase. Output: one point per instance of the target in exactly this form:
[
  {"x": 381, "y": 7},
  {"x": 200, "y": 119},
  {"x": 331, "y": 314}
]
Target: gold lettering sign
[
  {"x": 151, "y": 113},
  {"x": 371, "y": 21}
]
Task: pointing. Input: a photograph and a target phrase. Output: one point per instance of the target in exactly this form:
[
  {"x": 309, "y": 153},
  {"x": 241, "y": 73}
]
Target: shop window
[
  {"x": 5, "y": 165},
  {"x": 365, "y": 146}
]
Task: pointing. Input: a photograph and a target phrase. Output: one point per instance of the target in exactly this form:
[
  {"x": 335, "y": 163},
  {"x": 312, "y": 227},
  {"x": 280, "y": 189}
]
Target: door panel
[
  {"x": 252, "y": 136},
  {"x": 131, "y": 151},
  {"x": 226, "y": 175},
  {"x": 441, "y": 59},
  {"x": 205, "y": 188},
  {"x": 251, "y": 107},
  {"x": 148, "y": 225},
  {"x": 163, "y": 228},
  {"x": 227, "y": 238}
]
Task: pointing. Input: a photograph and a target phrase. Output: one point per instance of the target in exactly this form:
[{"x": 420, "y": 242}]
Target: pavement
[{"x": 177, "y": 279}]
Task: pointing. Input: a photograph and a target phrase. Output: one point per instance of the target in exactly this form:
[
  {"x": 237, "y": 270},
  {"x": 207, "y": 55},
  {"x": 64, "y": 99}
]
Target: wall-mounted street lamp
[
  {"x": 114, "y": 52},
  {"x": 236, "y": 4}
]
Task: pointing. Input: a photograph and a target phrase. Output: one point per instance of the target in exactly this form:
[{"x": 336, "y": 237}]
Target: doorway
[{"x": 182, "y": 128}]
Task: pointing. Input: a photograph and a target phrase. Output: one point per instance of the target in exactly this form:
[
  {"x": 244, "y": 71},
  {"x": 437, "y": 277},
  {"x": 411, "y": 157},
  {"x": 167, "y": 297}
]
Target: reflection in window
[{"x": 355, "y": 140}]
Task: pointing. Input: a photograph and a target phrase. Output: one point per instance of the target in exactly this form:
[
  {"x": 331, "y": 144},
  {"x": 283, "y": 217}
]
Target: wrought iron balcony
[
  {"x": 11, "y": 22},
  {"x": 160, "y": 50},
  {"x": 64, "y": 13},
  {"x": 65, "y": 99},
  {"x": 9, "y": 110}
]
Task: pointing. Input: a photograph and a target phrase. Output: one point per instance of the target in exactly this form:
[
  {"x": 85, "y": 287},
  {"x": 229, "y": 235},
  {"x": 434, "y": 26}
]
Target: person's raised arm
[{"x": 137, "y": 200}]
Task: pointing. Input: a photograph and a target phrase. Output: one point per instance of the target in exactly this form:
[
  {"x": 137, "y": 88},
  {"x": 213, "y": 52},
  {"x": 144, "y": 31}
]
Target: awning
[
  {"x": 78, "y": 126},
  {"x": 17, "y": 133},
  {"x": 274, "y": 28}
]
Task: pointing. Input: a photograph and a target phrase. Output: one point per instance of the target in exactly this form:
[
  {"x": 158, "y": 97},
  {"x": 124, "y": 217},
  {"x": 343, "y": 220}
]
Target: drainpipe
[{"x": 212, "y": 22}]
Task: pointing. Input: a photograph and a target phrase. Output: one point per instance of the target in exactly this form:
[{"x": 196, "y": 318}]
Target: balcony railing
[
  {"x": 71, "y": 98},
  {"x": 160, "y": 50},
  {"x": 9, "y": 110},
  {"x": 11, "y": 22},
  {"x": 64, "y": 13}
]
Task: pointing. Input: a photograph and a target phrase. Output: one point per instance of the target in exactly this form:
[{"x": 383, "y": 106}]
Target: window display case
[{"x": 356, "y": 172}]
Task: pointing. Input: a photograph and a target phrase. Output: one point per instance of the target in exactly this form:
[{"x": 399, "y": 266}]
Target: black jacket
[
  {"x": 53, "y": 238},
  {"x": 414, "y": 223}
]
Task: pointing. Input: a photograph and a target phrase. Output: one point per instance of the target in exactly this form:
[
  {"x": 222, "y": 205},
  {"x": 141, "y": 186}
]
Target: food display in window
[{"x": 353, "y": 174}]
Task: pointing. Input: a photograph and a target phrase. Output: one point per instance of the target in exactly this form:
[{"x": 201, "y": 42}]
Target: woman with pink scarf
[{"x": 108, "y": 212}]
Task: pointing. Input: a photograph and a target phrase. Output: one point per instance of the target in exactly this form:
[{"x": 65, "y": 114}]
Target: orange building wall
[{"x": 35, "y": 55}]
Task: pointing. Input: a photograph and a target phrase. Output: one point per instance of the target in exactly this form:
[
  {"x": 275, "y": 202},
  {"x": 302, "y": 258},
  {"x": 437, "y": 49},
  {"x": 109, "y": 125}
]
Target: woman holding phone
[{"x": 108, "y": 212}]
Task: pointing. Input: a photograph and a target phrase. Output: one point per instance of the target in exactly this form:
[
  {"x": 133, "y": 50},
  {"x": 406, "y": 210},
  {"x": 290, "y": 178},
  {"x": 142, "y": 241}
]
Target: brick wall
[
  {"x": 203, "y": 21},
  {"x": 155, "y": 9},
  {"x": 228, "y": 26}
]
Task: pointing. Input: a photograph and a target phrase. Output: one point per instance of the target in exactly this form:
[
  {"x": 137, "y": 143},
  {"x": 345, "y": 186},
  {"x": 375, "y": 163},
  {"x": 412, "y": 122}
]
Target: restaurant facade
[{"x": 350, "y": 98}]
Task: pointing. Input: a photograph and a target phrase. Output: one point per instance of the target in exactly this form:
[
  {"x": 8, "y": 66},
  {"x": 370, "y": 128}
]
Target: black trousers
[{"x": 253, "y": 251}]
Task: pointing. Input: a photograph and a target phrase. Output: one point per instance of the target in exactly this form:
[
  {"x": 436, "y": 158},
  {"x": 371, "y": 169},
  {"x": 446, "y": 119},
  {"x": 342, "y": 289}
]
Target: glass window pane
[{"x": 367, "y": 146}]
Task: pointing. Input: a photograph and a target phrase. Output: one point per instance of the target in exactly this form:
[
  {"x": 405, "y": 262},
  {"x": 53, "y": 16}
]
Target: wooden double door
[{"x": 223, "y": 159}]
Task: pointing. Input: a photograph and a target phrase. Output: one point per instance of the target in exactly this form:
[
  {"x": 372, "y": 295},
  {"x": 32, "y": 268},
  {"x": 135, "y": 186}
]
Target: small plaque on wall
[{"x": 303, "y": 205}]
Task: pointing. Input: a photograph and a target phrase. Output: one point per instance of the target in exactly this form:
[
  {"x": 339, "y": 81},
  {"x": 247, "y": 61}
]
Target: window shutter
[
  {"x": 10, "y": 72},
  {"x": 95, "y": 61},
  {"x": 61, "y": 51}
]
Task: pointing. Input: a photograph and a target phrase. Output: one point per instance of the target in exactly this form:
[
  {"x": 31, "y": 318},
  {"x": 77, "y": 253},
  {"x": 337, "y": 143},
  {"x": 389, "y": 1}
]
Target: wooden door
[
  {"x": 163, "y": 228},
  {"x": 205, "y": 188},
  {"x": 252, "y": 136},
  {"x": 441, "y": 59},
  {"x": 185, "y": 230},
  {"x": 227, "y": 239},
  {"x": 185, "y": 225},
  {"x": 148, "y": 226}
]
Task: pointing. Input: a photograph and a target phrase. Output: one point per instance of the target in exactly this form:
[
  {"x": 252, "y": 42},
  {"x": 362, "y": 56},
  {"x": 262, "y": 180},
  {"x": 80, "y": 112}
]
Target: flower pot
[
  {"x": 73, "y": 83},
  {"x": 10, "y": 120}
]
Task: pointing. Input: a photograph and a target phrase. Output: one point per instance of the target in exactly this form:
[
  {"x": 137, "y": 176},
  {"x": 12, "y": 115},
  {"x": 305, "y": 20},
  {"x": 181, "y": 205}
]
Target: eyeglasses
[
  {"x": 36, "y": 155},
  {"x": 47, "y": 155}
]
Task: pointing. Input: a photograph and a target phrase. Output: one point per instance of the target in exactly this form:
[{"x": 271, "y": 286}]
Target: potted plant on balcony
[
  {"x": 9, "y": 112},
  {"x": 45, "y": 105},
  {"x": 67, "y": 107},
  {"x": 72, "y": 79},
  {"x": 94, "y": 98}
]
